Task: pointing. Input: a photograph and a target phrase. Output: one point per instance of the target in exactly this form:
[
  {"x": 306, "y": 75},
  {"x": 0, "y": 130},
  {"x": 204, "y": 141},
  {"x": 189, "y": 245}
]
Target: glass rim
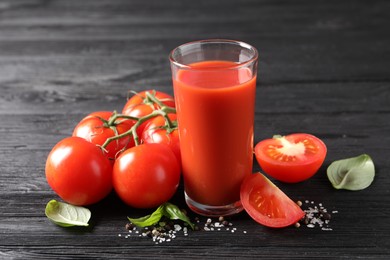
[{"x": 236, "y": 66}]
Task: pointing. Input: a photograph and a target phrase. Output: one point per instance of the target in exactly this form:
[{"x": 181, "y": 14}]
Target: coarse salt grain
[
  {"x": 326, "y": 229},
  {"x": 159, "y": 234},
  {"x": 177, "y": 227},
  {"x": 316, "y": 215}
]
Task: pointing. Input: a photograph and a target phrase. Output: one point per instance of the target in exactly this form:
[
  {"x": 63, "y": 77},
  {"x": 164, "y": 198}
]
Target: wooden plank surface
[{"x": 324, "y": 69}]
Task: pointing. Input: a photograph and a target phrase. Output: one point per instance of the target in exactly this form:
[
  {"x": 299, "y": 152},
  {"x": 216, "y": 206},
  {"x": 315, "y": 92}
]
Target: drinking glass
[{"x": 214, "y": 85}]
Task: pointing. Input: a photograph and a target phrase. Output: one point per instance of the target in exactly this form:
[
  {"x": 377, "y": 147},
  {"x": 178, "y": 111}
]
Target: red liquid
[{"x": 215, "y": 108}]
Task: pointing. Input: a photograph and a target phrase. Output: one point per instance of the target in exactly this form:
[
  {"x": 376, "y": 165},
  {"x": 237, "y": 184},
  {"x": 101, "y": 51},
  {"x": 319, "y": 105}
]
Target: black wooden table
[{"x": 324, "y": 69}]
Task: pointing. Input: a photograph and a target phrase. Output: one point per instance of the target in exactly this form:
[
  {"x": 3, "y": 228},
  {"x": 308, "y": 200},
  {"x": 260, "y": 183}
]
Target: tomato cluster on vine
[{"x": 135, "y": 152}]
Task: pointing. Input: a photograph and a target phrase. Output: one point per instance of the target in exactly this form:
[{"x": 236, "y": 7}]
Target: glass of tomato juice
[{"x": 214, "y": 85}]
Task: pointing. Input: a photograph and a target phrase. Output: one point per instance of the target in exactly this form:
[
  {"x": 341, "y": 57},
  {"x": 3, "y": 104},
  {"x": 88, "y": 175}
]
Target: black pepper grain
[
  {"x": 129, "y": 226},
  {"x": 326, "y": 216}
]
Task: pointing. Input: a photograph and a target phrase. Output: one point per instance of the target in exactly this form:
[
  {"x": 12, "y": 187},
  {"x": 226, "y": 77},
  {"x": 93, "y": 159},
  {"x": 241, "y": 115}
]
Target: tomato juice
[{"x": 215, "y": 102}]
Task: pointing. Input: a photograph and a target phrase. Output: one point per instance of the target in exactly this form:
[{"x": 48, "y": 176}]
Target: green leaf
[
  {"x": 67, "y": 215},
  {"x": 355, "y": 173},
  {"x": 168, "y": 210},
  {"x": 173, "y": 212},
  {"x": 148, "y": 220}
]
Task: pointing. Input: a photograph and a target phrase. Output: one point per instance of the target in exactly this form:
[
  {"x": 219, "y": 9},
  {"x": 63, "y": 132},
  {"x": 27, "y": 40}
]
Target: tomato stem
[
  {"x": 166, "y": 109},
  {"x": 112, "y": 120},
  {"x": 162, "y": 111}
]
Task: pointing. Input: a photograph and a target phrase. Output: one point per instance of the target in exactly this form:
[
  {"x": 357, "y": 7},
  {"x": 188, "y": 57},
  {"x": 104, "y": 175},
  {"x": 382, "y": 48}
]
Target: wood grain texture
[{"x": 324, "y": 69}]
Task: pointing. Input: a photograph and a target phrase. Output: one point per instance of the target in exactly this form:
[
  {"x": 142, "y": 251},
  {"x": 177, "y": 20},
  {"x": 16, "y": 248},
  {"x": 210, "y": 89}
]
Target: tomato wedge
[
  {"x": 267, "y": 204},
  {"x": 292, "y": 158}
]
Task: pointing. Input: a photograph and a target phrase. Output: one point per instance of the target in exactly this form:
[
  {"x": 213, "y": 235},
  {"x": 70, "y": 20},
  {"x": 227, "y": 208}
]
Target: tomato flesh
[
  {"x": 267, "y": 204},
  {"x": 292, "y": 158}
]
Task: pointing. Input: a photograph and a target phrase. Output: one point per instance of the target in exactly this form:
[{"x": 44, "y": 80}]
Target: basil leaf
[
  {"x": 67, "y": 215},
  {"x": 173, "y": 212},
  {"x": 168, "y": 210},
  {"x": 355, "y": 173},
  {"x": 148, "y": 220}
]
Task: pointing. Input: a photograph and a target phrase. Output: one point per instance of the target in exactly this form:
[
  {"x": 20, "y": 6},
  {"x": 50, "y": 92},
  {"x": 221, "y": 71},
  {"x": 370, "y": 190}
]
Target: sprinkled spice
[
  {"x": 163, "y": 231},
  {"x": 167, "y": 230},
  {"x": 316, "y": 215}
]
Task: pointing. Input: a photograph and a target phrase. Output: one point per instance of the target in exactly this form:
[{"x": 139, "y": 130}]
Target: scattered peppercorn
[
  {"x": 129, "y": 226},
  {"x": 325, "y": 215},
  {"x": 316, "y": 216},
  {"x": 166, "y": 230}
]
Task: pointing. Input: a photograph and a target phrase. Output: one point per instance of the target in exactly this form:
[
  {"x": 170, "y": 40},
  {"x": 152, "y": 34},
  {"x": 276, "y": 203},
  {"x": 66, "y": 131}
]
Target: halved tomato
[
  {"x": 267, "y": 204},
  {"x": 292, "y": 158}
]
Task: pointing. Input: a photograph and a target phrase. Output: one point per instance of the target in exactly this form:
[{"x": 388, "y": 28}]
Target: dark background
[{"x": 323, "y": 69}]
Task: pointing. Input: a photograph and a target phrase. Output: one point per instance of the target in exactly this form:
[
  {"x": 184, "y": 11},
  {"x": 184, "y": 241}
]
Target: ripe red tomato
[
  {"x": 141, "y": 98},
  {"x": 139, "y": 105},
  {"x": 147, "y": 175},
  {"x": 78, "y": 171},
  {"x": 138, "y": 110},
  {"x": 94, "y": 129},
  {"x": 267, "y": 204},
  {"x": 156, "y": 131},
  {"x": 292, "y": 158}
]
